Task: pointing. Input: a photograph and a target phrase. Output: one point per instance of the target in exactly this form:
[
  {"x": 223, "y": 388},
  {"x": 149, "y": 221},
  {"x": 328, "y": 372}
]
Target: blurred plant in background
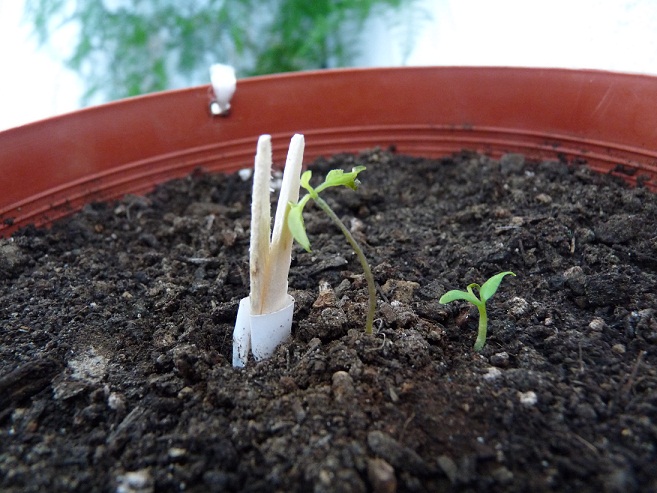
[{"x": 123, "y": 48}]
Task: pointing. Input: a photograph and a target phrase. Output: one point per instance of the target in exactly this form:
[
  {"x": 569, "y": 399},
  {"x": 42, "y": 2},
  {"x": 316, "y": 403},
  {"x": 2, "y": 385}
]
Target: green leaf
[
  {"x": 338, "y": 177},
  {"x": 296, "y": 225},
  {"x": 305, "y": 180},
  {"x": 455, "y": 294},
  {"x": 490, "y": 287}
]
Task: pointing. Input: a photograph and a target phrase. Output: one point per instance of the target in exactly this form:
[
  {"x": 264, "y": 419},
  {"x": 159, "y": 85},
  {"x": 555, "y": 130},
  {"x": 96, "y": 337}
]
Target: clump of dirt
[{"x": 116, "y": 327}]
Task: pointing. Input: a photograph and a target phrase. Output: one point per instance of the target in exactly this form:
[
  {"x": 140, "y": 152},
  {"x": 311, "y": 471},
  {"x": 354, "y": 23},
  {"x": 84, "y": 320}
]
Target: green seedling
[
  {"x": 486, "y": 292},
  {"x": 334, "y": 178}
]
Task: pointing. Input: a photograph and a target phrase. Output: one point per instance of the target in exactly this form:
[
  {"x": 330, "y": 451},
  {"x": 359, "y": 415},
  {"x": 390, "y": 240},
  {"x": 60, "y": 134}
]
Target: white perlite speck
[
  {"x": 135, "y": 482},
  {"x": 528, "y": 399},
  {"x": 492, "y": 374}
]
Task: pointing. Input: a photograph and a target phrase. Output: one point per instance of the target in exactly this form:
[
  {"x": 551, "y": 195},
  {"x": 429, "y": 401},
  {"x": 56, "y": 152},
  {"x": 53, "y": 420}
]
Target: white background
[
  {"x": 33, "y": 83},
  {"x": 618, "y": 35}
]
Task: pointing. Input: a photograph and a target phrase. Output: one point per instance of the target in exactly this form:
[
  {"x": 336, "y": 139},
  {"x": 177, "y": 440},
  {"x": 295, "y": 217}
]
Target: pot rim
[{"x": 53, "y": 167}]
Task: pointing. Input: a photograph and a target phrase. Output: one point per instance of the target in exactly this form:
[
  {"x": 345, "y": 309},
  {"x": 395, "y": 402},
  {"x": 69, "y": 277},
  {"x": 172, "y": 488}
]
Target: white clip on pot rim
[{"x": 224, "y": 83}]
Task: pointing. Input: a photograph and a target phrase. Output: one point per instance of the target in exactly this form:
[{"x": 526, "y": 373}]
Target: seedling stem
[
  {"x": 361, "y": 257},
  {"x": 298, "y": 230}
]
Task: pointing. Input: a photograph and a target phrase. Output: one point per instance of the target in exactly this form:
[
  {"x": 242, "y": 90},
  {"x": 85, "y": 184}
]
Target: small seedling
[
  {"x": 486, "y": 292},
  {"x": 334, "y": 178}
]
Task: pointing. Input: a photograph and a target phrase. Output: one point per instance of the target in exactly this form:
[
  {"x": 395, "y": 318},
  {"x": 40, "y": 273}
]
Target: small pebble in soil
[
  {"x": 492, "y": 374},
  {"x": 500, "y": 360},
  {"x": 356, "y": 225},
  {"x": 177, "y": 453},
  {"x": 597, "y": 324},
  {"x": 89, "y": 367},
  {"x": 619, "y": 228},
  {"x": 12, "y": 258},
  {"x": 618, "y": 348},
  {"x": 528, "y": 399},
  {"x": 586, "y": 411},
  {"x": 575, "y": 279},
  {"x": 135, "y": 482},
  {"x": 116, "y": 401},
  {"x": 502, "y": 475},
  {"x": 518, "y": 306},
  {"x": 449, "y": 467},
  {"x": 395, "y": 453},
  {"x": 397, "y": 314},
  {"x": 381, "y": 476},
  {"x": 543, "y": 198},
  {"x": 400, "y": 290},
  {"x": 343, "y": 386},
  {"x": 326, "y": 297}
]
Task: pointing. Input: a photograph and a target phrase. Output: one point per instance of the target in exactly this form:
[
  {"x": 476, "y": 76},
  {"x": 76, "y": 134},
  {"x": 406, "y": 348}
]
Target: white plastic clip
[{"x": 223, "y": 84}]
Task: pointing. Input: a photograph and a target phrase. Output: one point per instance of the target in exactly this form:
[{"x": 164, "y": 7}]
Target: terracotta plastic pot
[{"x": 52, "y": 167}]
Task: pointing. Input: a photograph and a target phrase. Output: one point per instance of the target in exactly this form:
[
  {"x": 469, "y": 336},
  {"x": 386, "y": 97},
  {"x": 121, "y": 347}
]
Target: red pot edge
[{"x": 130, "y": 146}]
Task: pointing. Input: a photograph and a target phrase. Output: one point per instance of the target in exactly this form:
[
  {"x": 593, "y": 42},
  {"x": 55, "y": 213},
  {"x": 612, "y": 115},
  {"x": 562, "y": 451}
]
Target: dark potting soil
[{"x": 116, "y": 327}]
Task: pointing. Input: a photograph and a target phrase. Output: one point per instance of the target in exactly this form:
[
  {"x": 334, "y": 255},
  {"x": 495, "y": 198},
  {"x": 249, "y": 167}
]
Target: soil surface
[{"x": 116, "y": 339}]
